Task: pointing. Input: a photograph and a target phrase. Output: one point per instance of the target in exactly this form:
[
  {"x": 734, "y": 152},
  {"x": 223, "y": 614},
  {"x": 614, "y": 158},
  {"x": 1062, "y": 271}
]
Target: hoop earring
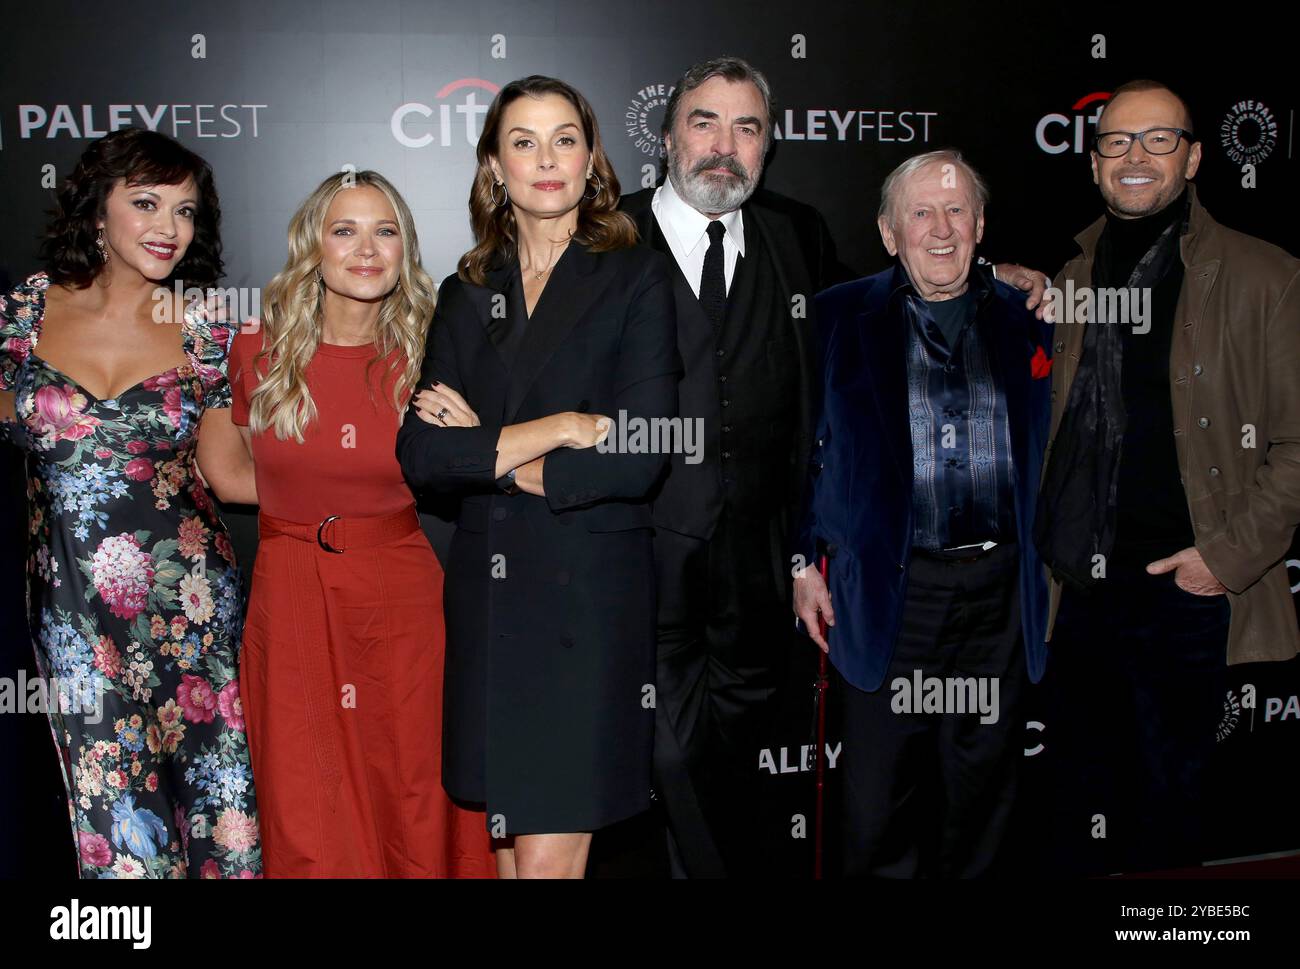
[
  {"x": 103, "y": 249},
  {"x": 493, "y": 194},
  {"x": 600, "y": 187}
]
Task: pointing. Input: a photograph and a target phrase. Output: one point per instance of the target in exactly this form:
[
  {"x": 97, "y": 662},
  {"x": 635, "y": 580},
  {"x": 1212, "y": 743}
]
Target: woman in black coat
[{"x": 555, "y": 325}]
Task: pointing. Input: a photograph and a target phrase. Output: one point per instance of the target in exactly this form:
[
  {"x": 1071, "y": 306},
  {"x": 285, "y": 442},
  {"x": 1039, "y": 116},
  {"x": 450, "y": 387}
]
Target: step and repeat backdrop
[{"x": 277, "y": 95}]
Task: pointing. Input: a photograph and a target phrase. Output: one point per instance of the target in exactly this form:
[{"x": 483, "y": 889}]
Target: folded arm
[{"x": 648, "y": 369}]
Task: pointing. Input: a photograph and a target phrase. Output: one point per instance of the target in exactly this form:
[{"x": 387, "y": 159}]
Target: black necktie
[{"x": 713, "y": 281}]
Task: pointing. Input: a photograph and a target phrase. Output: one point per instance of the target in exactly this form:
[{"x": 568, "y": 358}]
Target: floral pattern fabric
[{"x": 136, "y": 609}]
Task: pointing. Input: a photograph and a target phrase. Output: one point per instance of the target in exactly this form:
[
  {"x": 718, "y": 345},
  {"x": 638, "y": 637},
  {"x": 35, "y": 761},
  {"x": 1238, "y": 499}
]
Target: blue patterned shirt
[{"x": 962, "y": 490}]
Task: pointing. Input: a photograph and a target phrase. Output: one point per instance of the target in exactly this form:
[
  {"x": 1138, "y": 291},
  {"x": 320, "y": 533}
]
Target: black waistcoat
[
  {"x": 758, "y": 386},
  {"x": 692, "y": 497}
]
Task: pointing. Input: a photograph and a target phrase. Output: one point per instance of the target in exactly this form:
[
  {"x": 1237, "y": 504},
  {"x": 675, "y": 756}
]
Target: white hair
[{"x": 895, "y": 179}]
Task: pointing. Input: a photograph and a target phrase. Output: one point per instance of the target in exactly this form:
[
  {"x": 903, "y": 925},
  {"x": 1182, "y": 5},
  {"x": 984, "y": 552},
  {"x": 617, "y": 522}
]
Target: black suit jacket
[
  {"x": 549, "y": 601},
  {"x": 615, "y": 360},
  {"x": 804, "y": 256}
]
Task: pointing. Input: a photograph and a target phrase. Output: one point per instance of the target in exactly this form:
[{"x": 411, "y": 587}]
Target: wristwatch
[{"x": 507, "y": 483}]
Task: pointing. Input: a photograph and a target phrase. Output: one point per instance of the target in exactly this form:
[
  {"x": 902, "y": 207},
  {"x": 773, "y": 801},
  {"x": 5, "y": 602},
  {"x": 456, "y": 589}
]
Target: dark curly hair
[{"x": 141, "y": 158}]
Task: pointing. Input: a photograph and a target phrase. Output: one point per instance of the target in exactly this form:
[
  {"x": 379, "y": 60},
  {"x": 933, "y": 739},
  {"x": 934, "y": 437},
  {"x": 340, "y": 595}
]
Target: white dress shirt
[{"x": 687, "y": 232}]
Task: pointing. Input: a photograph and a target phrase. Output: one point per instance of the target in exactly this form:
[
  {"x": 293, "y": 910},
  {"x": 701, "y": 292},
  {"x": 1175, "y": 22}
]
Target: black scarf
[{"x": 1076, "y": 513}]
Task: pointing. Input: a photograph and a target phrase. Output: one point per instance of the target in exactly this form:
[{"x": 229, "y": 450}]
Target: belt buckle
[
  {"x": 320, "y": 536},
  {"x": 973, "y": 551}
]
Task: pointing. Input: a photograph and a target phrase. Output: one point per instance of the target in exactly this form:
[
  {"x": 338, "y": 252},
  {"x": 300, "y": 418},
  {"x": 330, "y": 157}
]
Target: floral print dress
[{"x": 135, "y": 607}]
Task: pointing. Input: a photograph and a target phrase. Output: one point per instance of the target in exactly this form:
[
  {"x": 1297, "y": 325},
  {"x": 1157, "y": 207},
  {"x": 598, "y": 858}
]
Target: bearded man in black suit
[{"x": 748, "y": 264}]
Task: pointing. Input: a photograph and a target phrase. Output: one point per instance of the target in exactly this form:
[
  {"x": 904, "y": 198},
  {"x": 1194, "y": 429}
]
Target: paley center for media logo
[
  {"x": 1248, "y": 132},
  {"x": 459, "y": 107},
  {"x": 87, "y": 121},
  {"x": 1242, "y": 706},
  {"x": 643, "y": 120},
  {"x": 853, "y": 124},
  {"x": 644, "y": 116}
]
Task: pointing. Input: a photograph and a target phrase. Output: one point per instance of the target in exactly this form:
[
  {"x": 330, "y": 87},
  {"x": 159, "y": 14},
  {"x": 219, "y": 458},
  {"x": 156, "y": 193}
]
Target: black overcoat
[{"x": 550, "y": 601}]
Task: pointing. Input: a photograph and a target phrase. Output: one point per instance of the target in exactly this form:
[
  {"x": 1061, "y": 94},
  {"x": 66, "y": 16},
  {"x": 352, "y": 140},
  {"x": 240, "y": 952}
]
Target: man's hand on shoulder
[{"x": 1027, "y": 280}]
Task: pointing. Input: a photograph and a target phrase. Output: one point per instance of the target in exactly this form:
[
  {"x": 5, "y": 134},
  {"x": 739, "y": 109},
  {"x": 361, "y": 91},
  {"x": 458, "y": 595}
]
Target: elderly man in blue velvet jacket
[{"x": 933, "y": 421}]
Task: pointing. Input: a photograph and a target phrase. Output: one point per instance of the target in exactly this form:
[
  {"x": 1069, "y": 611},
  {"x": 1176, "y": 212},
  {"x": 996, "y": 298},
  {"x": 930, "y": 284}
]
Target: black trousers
[
  {"x": 929, "y": 794},
  {"x": 724, "y": 634},
  {"x": 1136, "y": 681}
]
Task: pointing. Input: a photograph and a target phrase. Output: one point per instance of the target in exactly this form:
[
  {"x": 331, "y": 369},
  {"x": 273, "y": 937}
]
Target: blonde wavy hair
[{"x": 291, "y": 313}]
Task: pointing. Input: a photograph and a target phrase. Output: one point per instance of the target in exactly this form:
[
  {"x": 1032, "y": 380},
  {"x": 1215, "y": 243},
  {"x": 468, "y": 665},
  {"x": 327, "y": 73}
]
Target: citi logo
[
  {"x": 1059, "y": 133},
  {"x": 456, "y": 112},
  {"x": 1038, "y": 727}
]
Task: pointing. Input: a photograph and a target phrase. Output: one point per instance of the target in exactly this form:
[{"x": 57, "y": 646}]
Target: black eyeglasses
[{"x": 1155, "y": 141}]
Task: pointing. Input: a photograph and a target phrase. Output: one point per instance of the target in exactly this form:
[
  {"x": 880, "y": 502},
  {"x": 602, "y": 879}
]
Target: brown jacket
[{"x": 1234, "y": 365}]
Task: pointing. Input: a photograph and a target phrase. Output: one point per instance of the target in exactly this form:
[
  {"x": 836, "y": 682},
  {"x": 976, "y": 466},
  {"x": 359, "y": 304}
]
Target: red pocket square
[{"x": 1039, "y": 365}]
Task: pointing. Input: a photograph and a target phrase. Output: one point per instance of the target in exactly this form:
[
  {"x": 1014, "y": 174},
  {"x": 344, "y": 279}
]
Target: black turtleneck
[
  {"x": 1152, "y": 519},
  {"x": 1129, "y": 239}
]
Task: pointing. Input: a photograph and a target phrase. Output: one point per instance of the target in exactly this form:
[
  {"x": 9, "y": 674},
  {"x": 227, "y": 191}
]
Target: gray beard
[{"x": 707, "y": 194}]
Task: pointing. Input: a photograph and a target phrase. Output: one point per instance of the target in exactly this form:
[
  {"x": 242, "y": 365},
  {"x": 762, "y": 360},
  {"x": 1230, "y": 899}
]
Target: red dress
[{"x": 341, "y": 676}]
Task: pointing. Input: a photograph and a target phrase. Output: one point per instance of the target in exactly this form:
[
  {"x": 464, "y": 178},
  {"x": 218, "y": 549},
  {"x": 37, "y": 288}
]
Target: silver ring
[{"x": 442, "y": 413}]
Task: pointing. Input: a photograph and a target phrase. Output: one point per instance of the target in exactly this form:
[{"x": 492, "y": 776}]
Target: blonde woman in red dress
[{"x": 343, "y": 644}]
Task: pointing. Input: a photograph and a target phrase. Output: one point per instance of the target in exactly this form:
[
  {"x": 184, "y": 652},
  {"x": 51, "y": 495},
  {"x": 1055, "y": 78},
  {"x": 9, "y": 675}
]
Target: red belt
[
  {"x": 311, "y": 609},
  {"x": 338, "y": 533}
]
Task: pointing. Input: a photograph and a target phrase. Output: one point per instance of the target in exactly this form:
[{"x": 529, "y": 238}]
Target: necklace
[{"x": 539, "y": 273}]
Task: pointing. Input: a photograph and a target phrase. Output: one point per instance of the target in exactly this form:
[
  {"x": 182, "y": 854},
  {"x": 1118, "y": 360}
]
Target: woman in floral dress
[{"x": 133, "y": 593}]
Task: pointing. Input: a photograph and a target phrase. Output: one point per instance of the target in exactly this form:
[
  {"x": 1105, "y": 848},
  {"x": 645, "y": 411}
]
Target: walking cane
[{"x": 820, "y": 754}]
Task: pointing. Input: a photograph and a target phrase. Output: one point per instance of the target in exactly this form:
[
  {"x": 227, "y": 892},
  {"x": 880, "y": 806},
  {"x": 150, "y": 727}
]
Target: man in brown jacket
[{"x": 1171, "y": 491}]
